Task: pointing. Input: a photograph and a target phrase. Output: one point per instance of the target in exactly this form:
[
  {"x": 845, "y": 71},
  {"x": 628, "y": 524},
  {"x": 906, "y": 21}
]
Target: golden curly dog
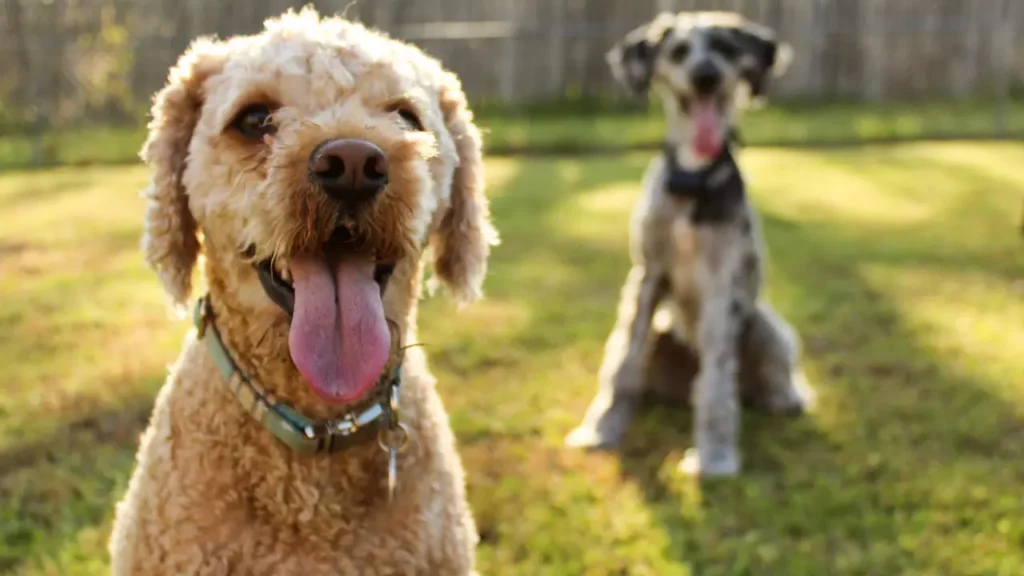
[{"x": 312, "y": 166}]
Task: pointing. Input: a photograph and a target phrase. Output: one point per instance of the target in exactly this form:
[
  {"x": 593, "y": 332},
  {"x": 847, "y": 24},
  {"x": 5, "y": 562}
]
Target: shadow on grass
[
  {"x": 119, "y": 425},
  {"x": 57, "y": 488},
  {"x": 912, "y": 435}
]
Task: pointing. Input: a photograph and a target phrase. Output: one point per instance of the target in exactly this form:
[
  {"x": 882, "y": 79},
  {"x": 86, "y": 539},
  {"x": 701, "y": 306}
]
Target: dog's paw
[
  {"x": 795, "y": 398},
  {"x": 605, "y": 423},
  {"x": 590, "y": 437},
  {"x": 724, "y": 465}
]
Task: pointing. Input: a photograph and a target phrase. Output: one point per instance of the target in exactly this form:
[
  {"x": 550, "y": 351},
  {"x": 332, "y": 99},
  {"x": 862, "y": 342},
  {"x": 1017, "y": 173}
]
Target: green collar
[{"x": 299, "y": 433}]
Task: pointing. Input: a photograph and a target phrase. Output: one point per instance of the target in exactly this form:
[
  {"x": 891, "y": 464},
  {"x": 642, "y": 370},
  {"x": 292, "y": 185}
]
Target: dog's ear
[
  {"x": 462, "y": 242},
  {"x": 170, "y": 240},
  {"x": 764, "y": 56},
  {"x": 632, "y": 58}
]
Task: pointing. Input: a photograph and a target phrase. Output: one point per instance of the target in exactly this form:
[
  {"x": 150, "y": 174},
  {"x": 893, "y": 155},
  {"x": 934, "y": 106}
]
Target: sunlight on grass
[
  {"x": 598, "y": 215},
  {"x": 901, "y": 266},
  {"x": 998, "y": 160},
  {"x": 78, "y": 299},
  {"x": 610, "y": 200},
  {"x": 835, "y": 193},
  {"x": 499, "y": 172},
  {"x": 972, "y": 319}
]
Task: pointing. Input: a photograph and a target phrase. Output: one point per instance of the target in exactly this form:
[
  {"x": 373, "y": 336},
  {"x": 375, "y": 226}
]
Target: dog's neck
[
  {"x": 351, "y": 483},
  {"x": 713, "y": 186},
  {"x": 255, "y": 330}
]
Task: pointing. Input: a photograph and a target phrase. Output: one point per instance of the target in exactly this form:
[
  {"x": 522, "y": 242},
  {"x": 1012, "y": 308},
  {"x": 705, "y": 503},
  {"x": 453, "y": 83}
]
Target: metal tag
[
  {"x": 392, "y": 473},
  {"x": 393, "y": 441}
]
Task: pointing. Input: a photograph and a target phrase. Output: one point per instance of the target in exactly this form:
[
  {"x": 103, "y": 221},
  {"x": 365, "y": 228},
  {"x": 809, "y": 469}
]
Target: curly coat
[{"x": 213, "y": 492}]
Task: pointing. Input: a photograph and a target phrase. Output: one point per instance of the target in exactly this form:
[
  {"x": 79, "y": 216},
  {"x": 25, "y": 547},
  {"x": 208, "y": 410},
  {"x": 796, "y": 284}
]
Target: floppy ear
[
  {"x": 632, "y": 58},
  {"x": 462, "y": 242},
  {"x": 764, "y": 56},
  {"x": 170, "y": 240}
]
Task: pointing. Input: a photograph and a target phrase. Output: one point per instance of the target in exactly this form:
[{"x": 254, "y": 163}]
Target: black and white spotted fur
[{"x": 696, "y": 246}]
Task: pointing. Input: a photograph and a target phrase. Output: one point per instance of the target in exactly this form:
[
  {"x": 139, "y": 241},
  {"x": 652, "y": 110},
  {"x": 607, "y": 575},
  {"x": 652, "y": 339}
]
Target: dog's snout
[
  {"x": 349, "y": 169},
  {"x": 705, "y": 77}
]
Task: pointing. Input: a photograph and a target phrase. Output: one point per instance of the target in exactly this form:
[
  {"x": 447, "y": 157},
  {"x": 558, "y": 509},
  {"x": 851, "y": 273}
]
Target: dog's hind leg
[
  {"x": 621, "y": 375},
  {"x": 772, "y": 346}
]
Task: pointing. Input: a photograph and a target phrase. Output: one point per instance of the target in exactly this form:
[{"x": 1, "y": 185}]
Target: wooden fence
[
  {"x": 65, "y": 61},
  {"x": 851, "y": 49}
]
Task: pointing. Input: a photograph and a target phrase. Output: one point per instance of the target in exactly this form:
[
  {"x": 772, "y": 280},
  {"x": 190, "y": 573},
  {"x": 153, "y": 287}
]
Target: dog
[
  {"x": 696, "y": 248},
  {"x": 317, "y": 167}
]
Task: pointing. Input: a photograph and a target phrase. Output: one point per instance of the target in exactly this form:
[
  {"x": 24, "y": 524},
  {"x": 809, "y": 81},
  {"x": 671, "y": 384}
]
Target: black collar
[{"x": 716, "y": 190}]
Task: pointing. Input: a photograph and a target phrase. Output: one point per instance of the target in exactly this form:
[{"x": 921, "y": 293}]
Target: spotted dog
[{"x": 695, "y": 239}]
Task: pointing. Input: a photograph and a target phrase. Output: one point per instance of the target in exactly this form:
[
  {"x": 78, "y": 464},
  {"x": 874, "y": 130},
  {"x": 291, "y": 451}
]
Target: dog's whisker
[
  {"x": 238, "y": 178},
  {"x": 262, "y": 338},
  {"x": 344, "y": 13}
]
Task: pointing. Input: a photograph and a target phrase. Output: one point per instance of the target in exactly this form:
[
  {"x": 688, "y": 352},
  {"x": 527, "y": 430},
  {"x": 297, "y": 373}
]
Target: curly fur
[
  {"x": 213, "y": 492},
  {"x": 705, "y": 276}
]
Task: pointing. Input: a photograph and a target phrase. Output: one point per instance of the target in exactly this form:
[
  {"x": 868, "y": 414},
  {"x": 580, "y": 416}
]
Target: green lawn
[
  {"x": 902, "y": 266},
  {"x": 570, "y": 130}
]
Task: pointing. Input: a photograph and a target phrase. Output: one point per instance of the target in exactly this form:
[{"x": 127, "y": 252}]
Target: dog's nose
[
  {"x": 705, "y": 77},
  {"x": 349, "y": 169}
]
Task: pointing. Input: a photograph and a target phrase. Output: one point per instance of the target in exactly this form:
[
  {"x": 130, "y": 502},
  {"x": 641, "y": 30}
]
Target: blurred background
[
  {"x": 887, "y": 173},
  {"x": 944, "y": 68}
]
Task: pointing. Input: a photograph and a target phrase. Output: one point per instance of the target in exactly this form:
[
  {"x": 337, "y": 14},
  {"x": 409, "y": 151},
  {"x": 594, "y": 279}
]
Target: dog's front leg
[
  {"x": 621, "y": 374},
  {"x": 715, "y": 391}
]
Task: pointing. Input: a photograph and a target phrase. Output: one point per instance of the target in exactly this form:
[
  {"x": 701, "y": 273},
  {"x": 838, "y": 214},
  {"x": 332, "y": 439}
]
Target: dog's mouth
[
  {"x": 709, "y": 123},
  {"x": 339, "y": 338},
  {"x": 278, "y": 284}
]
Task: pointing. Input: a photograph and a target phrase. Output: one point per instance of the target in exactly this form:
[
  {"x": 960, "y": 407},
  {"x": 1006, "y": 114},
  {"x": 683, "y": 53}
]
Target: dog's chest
[
  {"x": 686, "y": 263},
  {"x": 703, "y": 263}
]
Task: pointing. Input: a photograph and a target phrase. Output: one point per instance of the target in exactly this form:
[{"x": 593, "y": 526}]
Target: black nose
[
  {"x": 705, "y": 77},
  {"x": 349, "y": 169}
]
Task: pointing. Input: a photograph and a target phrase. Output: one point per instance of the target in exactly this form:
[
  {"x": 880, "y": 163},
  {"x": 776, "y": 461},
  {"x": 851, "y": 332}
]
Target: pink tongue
[
  {"x": 339, "y": 340},
  {"x": 707, "y": 136}
]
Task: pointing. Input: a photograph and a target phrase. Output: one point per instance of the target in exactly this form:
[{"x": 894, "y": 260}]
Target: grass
[
  {"x": 792, "y": 124},
  {"x": 902, "y": 267},
  {"x": 561, "y": 131}
]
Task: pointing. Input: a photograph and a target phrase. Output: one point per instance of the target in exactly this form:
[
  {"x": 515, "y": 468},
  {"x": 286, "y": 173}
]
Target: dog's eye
[
  {"x": 723, "y": 46},
  {"x": 679, "y": 53},
  {"x": 410, "y": 118},
  {"x": 253, "y": 122}
]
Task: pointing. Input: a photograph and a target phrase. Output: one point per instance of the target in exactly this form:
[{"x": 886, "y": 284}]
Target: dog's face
[
  {"x": 314, "y": 158},
  {"x": 697, "y": 62}
]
